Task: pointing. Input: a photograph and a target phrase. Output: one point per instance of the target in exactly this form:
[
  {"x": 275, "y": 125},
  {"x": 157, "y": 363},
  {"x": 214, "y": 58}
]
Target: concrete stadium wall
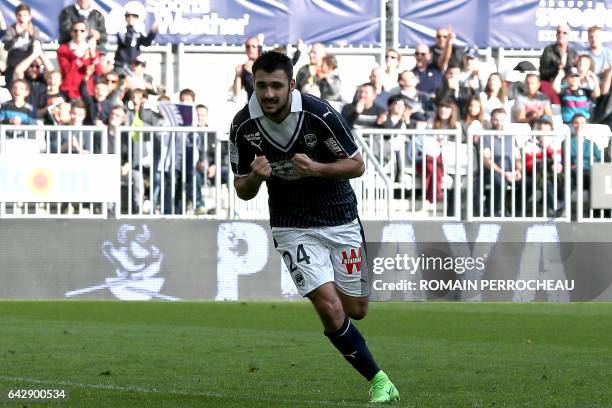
[{"x": 206, "y": 260}]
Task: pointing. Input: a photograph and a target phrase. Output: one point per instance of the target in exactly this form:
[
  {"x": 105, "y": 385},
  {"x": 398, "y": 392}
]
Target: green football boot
[{"x": 382, "y": 389}]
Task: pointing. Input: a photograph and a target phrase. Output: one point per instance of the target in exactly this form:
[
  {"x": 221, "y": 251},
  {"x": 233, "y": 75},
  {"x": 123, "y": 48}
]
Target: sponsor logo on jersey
[
  {"x": 283, "y": 169},
  {"x": 335, "y": 147},
  {"x": 254, "y": 139},
  {"x": 352, "y": 259},
  {"x": 311, "y": 140}
]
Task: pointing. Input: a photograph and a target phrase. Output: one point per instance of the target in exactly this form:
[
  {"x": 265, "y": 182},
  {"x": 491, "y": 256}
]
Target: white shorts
[{"x": 318, "y": 255}]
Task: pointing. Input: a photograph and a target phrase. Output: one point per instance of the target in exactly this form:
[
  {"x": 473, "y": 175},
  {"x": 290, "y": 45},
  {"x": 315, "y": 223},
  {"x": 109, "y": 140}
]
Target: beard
[{"x": 282, "y": 104}]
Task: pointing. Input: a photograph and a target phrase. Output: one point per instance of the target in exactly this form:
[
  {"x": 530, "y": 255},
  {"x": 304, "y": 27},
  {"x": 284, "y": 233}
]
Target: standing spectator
[
  {"x": 138, "y": 116},
  {"x": 99, "y": 105},
  {"x": 494, "y": 95},
  {"x": 363, "y": 113},
  {"x": 19, "y": 40},
  {"x": 244, "y": 74},
  {"x": 308, "y": 73},
  {"x": 574, "y": 98},
  {"x": 590, "y": 152},
  {"x": 398, "y": 114},
  {"x": 428, "y": 73},
  {"x": 603, "y": 109},
  {"x": 444, "y": 52},
  {"x": 430, "y": 147},
  {"x": 17, "y": 111},
  {"x": 83, "y": 10},
  {"x": 382, "y": 93},
  {"x": 499, "y": 153},
  {"x": 130, "y": 41},
  {"x": 76, "y": 142},
  {"x": 556, "y": 58},
  {"x": 74, "y": 58},
  {"x": 601, "y": 55},
  {"x": 137, "y": 77},
  {"x": 389, "y": 76},
  {"x": 416, "y": 100},
  {"x": 3, "y": 26},
  {"x": 54, "y": 97},
  {"x": 328, "y": 80},
  {"x": 453, "y": 91},
  {"x": 35, "y": 75},
  {"x": 529, "y": 108}
]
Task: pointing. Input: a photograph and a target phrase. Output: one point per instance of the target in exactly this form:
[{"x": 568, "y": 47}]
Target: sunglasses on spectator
[
  {"x": 420, "y": 53},
  {"x": 37, "y": 66}
]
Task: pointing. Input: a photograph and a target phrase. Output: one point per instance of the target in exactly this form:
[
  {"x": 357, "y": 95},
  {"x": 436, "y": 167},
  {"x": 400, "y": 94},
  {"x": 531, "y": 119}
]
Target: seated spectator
[
  {"x": 600, "y": 54},
  {"x": 77, "y": 142},
  {"x": 444, "y": 52},
  {"x": 363, "y": 113},
  {"x": 588, "y": 78},
  {"x": 574, "y": 98},
  {"x": 100, "y": 103},
  {"x": 416, "y": 100},
  {"x": 130, "y": 41},
  {"x": 499, "y": 154},
  {"x": 311, "y": 89},
  {"x": 398, "y": 114},
  {"x": 428, "y": 73},
  {"x": 244, "y": 75},
  {"x": 494, "y": 95},
  {"x": 453, "y": 91},
  {"x": 328, "y": 80},
  {"x": 74, "y": 58},
  {"x": 391, "y": 72},
  {"x": 529, "y": 108},
  {"x": 54, "y": 96},
  {"x": 473, "y": 120},
  {"x": 83, "y": 10},
  {"x": 309, "y": 73},
  {"x": 35, "y": 76},
  {"x": 470, "y": 75},
  {"x": 557, "y": 57},
  {"x": 382, "y": 94},
  {"x": 19, "y": 40},
  {"x": 514, "y": 80}
]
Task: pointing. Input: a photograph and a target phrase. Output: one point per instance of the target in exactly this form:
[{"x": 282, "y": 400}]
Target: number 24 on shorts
[{"x": 300, "y": 257}]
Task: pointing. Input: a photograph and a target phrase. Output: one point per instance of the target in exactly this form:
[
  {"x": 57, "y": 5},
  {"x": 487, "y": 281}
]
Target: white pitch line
[{"x": 144, "y": 390}]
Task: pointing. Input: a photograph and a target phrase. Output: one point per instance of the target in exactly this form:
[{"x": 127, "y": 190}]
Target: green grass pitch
[{"x": 261, "y": 354}]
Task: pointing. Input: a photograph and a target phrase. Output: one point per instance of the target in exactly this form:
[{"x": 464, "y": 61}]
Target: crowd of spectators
[{"x": 446, "y": 87}]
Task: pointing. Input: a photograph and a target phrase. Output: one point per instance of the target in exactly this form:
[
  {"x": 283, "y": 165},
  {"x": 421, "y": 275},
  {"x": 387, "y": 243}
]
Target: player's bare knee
[{"x": 358, "y": 311}]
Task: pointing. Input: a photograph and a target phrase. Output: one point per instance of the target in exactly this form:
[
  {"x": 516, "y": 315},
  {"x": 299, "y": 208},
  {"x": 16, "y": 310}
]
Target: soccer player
[{"x": 304, "y": 151}]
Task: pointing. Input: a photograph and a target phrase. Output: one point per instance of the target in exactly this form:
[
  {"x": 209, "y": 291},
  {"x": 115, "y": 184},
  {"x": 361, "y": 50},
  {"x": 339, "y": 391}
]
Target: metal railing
[
  {"x": 421, "y": 170},
  {"x": 519, "y": 176},
  {"x": 596, "y": 139}
]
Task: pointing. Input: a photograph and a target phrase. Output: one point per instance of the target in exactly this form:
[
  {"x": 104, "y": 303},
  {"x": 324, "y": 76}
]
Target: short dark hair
[
  {"x": 188, "y": 92},
  {"x": 498, "y": 111},
  {"x": 394, "y": 98},
  {"x": 22, "y": 7},
  {"x": 201, "y": 106},
  {"x": 22, "y": 81},
  {"x": 579, "y": 115},
  {"x": 271, "y": 61},
  {"x": 78, "y": 104}
]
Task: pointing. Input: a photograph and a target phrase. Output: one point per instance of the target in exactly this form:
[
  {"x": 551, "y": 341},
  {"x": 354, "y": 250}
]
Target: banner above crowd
[
  {"x": 338, "y": 22},
  {"x": 501, "y": 23}
]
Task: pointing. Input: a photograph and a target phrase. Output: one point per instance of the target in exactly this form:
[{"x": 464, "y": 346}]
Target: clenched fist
[
  {"x": 261, "y": 168},
  {"x": 303, "y": 166}
]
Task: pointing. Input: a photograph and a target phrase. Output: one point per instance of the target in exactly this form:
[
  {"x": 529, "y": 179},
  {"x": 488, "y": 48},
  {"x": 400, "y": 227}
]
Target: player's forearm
[
  {"x": 342, "y": 169},
  {"x": 247, "y": 187}
]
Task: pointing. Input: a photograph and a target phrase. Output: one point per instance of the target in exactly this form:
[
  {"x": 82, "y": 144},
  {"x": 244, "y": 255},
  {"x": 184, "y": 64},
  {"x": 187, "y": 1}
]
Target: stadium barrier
[
  {"x": 586, "y": 182},
  {"x": 44, "y": 176},
  {"x": 534, "y": 183},
  {"x": 173, "y": 172},
  {"x": 409, "y": 161}
]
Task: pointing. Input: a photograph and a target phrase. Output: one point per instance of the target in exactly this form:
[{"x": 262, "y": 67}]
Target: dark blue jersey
[{"x": 314, "y": 128}]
